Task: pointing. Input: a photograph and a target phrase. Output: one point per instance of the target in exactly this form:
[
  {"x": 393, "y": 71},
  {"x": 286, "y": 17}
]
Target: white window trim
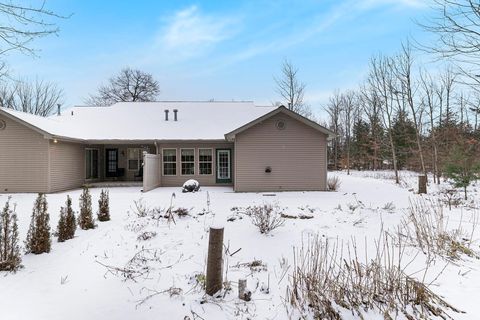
[
  {"x": 181, "y": 162},
  {"x": 229, "y": 151},
  {"x": 213, "y": 162},
  {"x": 140, "y": 159},
  {"x": 176, "y": 163},
  {"x": 98, "y": 164}
]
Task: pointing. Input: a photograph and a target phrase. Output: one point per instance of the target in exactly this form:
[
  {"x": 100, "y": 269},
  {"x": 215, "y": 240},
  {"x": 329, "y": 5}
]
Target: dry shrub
[
  {"x": 146, "y": 235},
  {"x": 333, "y": 183},
  {"x": 141, "y": 208},
  {"x": 328, "y": 284},
  {"x": 266, "y": 217},
  {"x": 427, "y": 227}
]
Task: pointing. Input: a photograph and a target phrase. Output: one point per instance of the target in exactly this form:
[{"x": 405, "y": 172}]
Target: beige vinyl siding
[
  {"x": 23, "y": 159},
  {"x": 67, "y": 165},
  {"x": 296, "y": 155},
  {"x": 204, "y": 180}
]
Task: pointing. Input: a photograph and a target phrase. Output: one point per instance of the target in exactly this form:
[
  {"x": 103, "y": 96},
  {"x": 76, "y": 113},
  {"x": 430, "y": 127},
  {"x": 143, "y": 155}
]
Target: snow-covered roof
[{"x": 146, "y": 120}]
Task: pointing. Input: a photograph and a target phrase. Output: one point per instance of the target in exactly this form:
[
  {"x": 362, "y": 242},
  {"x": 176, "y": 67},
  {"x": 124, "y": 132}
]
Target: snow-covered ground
[{"x": 73, "y": 281}]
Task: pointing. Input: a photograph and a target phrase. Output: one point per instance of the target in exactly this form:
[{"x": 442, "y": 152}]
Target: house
[{"x": 236, "y": 144}]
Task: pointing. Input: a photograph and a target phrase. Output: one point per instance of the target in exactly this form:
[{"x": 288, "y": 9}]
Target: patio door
[
  {"x": 91, "y": 163},
  {"x": 224, "y": 165},
  {"x": 111, "y": 159}
]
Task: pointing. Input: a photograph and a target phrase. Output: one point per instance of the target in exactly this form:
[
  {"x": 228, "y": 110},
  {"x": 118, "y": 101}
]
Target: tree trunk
[{"x": 214, "y": 261}]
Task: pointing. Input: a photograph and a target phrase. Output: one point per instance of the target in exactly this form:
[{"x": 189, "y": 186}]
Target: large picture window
[
  {"x": 169, "y": 162},
  {"x": 188, "y": 161},
  {"x": 205, "y": 161},
  {"x": 134, "y": 158}
]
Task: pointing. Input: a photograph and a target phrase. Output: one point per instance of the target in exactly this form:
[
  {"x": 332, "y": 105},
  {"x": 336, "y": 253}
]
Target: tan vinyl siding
[
  {"x": 204, "y": 180},
  {"x": 67, "y": 166},
  {"x": 296, "y": 155},
  {"x": 23, "y": 159}
]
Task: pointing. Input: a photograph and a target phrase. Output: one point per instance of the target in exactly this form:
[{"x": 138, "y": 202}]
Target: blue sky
[{"x": 199, "y": 50}]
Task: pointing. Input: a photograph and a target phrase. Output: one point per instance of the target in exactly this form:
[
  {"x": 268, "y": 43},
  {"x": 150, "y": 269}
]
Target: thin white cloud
[
  {"x": 189, "y": 32},
  {"x": 369, "y": 4}
]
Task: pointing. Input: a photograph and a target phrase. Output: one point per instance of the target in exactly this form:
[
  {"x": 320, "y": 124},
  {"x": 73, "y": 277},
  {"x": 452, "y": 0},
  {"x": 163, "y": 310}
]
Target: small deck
[{"x": 114, "y": 184}]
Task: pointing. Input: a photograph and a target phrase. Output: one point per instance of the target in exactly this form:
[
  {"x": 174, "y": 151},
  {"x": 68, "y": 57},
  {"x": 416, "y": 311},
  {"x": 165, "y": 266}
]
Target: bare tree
[
  {"x": 334, "y": 111},
  {"x": 349, "y": 109},
  {"x": 382, "y": 82},
  {"x": 403, "y": 68},
  {"x": 292, "y": 90},
  {"x": 128, "y": 85},
  {"x": 457, "y": 27},
  {"x": 429, "y": 87},
  {"x": 37, "y": 97},
  {"x": 21, "y": 24},
  {"x": 371, "y": 105}
]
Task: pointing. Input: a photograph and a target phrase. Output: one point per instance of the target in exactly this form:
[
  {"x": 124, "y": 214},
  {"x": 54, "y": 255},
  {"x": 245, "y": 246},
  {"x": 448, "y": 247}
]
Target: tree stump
[
  {"x": 215, "y": 261},
  {"x": 422, "y": 184}
]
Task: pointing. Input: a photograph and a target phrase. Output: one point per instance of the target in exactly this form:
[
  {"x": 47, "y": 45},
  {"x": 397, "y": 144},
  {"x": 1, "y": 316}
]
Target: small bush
[
  {"x": 10, "y": 259},
  {"x": 38, "y": 237},
  {"x": 266, "y": 217},
  {"x": 191, "y": 186},
  {"x": 85, "y": 219},
  {"x": 104, "y": 206},
  {"x": 333, "y": 183},
  {"x": 67, "y": 223}
]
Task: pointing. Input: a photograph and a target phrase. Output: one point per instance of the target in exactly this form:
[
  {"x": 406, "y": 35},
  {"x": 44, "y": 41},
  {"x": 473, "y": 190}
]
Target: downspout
[{"x": 156, "y": 146}]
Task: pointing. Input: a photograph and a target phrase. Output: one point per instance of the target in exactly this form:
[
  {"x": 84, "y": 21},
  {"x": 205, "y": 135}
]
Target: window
[
  {"x": 188, "y": 161},
  {"x": 134, "y": 158},
  {"x": 169, "y": 162},
  {"x": 91, "y": 163},
  {"x": 205, "y": 160}
]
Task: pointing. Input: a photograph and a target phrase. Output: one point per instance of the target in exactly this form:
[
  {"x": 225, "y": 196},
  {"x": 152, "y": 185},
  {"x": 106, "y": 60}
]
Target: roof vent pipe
[
  {"x": 175, "y": 112},
  {"x": 166, "y": 114},
  {"x": 59, "y": 113}
]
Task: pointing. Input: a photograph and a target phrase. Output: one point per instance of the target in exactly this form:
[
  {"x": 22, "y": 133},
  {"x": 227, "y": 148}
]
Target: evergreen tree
[
  {"x": 362, "y": 150},
  {"x": 404, "y": 137},
  {"x": 10, "y": 259},
  {"x": 66, "y": 224},
  {"x": 38, "y": 237},
  {"x": 70, "y": 221},
  {"x": 85, "y": 219},
  {"x": 104, "y": 206},
  {"x": 463, "y": 166},
  {"x": 62, "y": 226}
]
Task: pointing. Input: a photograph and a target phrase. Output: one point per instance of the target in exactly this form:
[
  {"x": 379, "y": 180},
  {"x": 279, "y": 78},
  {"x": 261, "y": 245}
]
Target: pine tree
[
  {"x": 70, "y": 221},
  {"x": 104, "y": 206},
  {"x": 38, "y": 237},
  {"x": 10, "y": 259},
  {"x": 62, "y": 227},
  {"x": 85, "y": 219},
  {"x": 67, "y": 222},
  {"x": 463, "y": 165}
]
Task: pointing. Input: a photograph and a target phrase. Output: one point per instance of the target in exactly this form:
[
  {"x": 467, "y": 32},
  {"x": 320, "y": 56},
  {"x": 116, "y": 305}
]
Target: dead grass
[
  {"x": 330, "y": 282},
  {"x": 427, "y": 227}
]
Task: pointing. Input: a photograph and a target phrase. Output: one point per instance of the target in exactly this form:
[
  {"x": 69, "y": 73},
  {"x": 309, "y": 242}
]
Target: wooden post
[
  {"x": 422, "y": 184},
  {"x": 215, "y": 261},
  {"x": 242, "y": 285}
]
